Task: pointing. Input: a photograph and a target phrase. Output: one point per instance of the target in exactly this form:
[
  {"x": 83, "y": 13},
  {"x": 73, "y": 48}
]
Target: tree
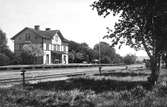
[
  {"x": 130, "y": 59},
  {"x": 73, "y": 49},
  {"x": 107, "y": 52},
  {"x": 164, "y": 58},
  {"x": 79, "y": 57},
  {"x": 31, "y": 54},
  {"x": 4, "y": 60},
  {"x": 71, "y": 56},
  {"x": 6, "y": 55},
  {"x": 3, "y": 41},
  {"x": 118, "y": 59},
  {"x": 88, "y": 53},
  {"x": 141, "y": 26},
  {"x": 80, "y": 52}
]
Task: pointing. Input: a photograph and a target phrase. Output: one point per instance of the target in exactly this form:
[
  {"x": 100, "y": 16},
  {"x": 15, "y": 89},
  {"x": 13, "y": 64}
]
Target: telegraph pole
[{"x": 99, "y": 57}]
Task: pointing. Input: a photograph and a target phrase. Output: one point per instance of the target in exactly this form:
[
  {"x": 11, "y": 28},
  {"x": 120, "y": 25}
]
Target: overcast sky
[{"x": 74, "y": 18}]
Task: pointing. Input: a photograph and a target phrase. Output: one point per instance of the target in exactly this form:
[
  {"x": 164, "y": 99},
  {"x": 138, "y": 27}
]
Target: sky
[{"x": 74, "y": 18}]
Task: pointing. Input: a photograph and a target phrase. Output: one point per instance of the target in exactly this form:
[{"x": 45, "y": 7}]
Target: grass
[
  {"x": 138, "y": 96},
  {"x": 97, "y": 84},
  {"x": 123, "y": 74},
  {"x": 90, "y": 91}
]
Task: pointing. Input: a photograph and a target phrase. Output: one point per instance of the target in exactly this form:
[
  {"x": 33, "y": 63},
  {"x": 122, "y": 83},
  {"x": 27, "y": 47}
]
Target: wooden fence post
[{"x": 23, "y": 75}]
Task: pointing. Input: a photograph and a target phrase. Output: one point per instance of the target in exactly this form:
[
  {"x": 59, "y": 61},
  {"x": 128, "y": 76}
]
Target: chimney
[
  {"x": 36, "y": 27},
  {"x": 47, "y": 29}
]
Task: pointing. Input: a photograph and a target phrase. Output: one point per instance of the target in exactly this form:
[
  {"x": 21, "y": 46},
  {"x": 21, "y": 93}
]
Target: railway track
[
  {"x": 41, "y": 77},
  {"x": 35, "y": 75}
]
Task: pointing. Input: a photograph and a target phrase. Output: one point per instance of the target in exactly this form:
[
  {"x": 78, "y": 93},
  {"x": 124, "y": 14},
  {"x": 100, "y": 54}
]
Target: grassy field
[{"x": 111, "y": 89}]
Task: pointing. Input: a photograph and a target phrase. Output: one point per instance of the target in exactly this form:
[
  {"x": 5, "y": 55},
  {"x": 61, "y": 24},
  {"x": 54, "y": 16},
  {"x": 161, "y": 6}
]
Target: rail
[
  {"x": 24, "y": 78},
  {"x": 51, "y": 66},
  {"x": 28, "y": 79}
]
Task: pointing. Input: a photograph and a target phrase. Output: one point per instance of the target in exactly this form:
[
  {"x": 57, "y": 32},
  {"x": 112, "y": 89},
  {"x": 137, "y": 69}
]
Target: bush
[
  {"x": 26, "y": 58},
  {"x": 106, "y": 60},
  {"x": 129, "y": 59},
  {"x": 4, "y": 60},
  {"x": 138, "y": 97},
  {"x": 16, "y": 60}
]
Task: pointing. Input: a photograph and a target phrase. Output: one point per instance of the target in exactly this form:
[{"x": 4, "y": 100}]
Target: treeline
[
  {"x": 7, "y": 57},
  {"x": 78, "y": 53},
  {"x": 82, "y": 53}
]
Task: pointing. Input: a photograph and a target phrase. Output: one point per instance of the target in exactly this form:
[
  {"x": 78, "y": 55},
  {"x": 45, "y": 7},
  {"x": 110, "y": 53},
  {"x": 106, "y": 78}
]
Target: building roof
[{"x": 48, "y": 34}]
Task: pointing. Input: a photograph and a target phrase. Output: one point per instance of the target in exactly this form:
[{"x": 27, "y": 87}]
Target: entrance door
[
  {"x": 47, "y": 58},
  {"x": 65, "y": 59}
]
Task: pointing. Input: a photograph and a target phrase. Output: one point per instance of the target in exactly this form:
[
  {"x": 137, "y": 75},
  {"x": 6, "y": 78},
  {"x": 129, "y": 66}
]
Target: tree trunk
[
  {"x": 155, "y": 70},
  {"x": 165, "y": 60}
]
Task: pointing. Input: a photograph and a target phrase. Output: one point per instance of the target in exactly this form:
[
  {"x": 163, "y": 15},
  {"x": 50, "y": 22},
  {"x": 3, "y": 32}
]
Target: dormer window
[{"x": 27, "y": 36}]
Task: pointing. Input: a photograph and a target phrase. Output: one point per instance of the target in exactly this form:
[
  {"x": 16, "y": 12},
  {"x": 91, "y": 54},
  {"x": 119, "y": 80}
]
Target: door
[
  {"x": 47, "y": 58},
  {"x": 65, "y": 59}
]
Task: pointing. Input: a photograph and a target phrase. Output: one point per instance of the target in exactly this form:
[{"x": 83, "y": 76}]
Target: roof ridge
[
  {"x": 44, "y": 33},
  {"x": 35, "y": 31}
]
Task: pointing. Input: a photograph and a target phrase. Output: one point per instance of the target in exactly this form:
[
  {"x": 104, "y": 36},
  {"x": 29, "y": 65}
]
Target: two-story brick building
[{"x": 52, "y": 43}]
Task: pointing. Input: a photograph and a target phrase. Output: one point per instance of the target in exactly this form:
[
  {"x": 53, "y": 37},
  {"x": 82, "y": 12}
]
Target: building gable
[
  {"x": 27, "y": 35},
  {"x": 56, "y": 39}
]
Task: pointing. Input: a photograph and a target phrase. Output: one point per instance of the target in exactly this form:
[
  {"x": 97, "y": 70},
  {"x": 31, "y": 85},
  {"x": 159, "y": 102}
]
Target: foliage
[
  {"x": 31, "y": 54},
  {"x": 164, "y": 58},
  {"x": 141, "y": 25},
  {"x": 3, "y": 41},
  {"x": 130, "y": 59},
  {"x": 79, "y": 57},
  {"x": 6, "y": 55},
  {"x": 33, "y": 49},
  {"x": 4, "y": 60},
  {"x": 107, "y": 53},
  {"x": 137, "y": 96},
  {"x": 26, "y": 58},
  {"x": 80, "y": 52},
  {"x": 71, "y": 56}
]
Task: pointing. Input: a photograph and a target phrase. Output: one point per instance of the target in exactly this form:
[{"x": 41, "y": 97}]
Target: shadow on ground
[{"x": 85, "y": 83}]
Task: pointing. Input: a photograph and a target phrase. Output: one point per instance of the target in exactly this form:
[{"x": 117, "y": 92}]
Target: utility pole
[{"x": 99, "y": 56}]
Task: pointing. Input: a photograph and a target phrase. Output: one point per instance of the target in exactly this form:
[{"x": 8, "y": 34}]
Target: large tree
[
  {"x": 107, "y": 53},
  {"x": 3, "y": 42},
  {"x": 79, "y": 52},
  {"x": 141, "y": 25},
  {"x": 6, "y": 55}
]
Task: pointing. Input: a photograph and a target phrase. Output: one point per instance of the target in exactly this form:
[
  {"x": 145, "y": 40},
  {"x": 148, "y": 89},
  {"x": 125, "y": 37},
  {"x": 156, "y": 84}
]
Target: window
[
  {"x": 56, "y": 38},
  {"x": 27, "y": 36},
  {"x": 16, "y": 47},
  {"x": 58, "y": 47},
  {"x": 20, "y": 46},
  {"x": 54, "y": 47},
  {"x": 64, "y": 48},
  {"x": 47, "y": 46}
]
